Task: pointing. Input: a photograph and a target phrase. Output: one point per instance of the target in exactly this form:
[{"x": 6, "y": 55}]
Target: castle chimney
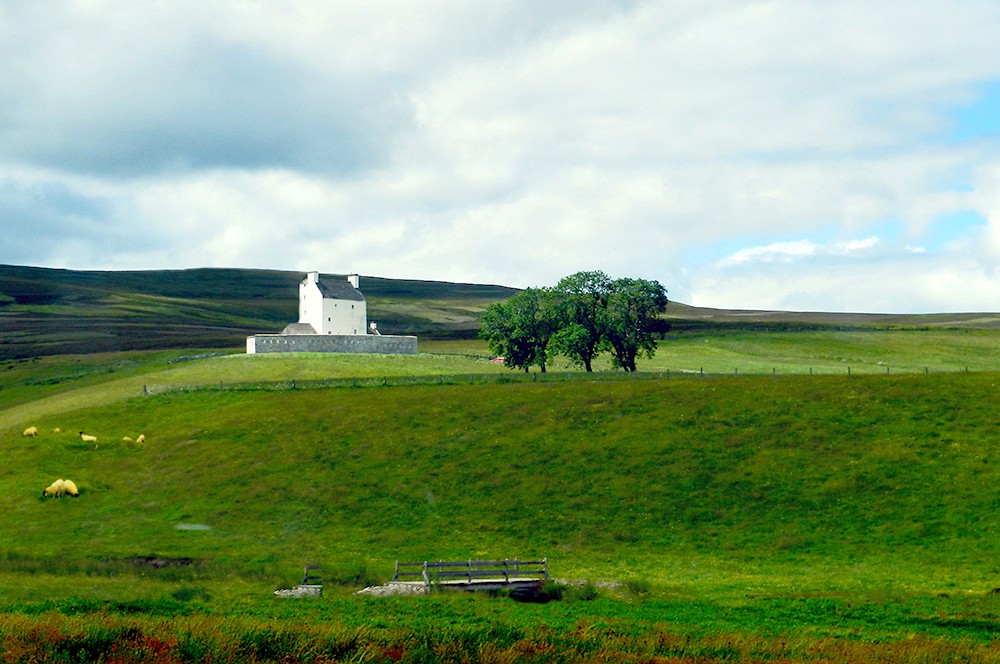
[
  {"x": 313, "y": 277},
  {"x": 354, "y": 279}
]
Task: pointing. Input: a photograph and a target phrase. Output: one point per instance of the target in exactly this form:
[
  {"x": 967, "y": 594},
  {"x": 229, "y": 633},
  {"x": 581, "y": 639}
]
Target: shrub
[
  {"x": 546, "y": 593},
  {"x": 188, "y": 593},
  {"x": 583, "y": 593},
  {"x": 636, "y": 587}
]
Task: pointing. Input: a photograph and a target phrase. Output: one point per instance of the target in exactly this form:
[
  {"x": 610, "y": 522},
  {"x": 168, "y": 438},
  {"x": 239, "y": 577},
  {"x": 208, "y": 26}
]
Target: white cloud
[
  {"x": 867, "y": 275},
  {"x": 790, "y": 252},
  {"x": 923, "y": 283},
  {"x": 783, "y": 252},
  {"x": 509, "y": 143}
]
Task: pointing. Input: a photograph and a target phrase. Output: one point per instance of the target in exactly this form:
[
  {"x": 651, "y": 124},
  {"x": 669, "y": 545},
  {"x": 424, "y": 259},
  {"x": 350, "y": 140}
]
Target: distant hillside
[
  {"x": 47, "y": 311},
  {"x": 687, "y": 318},
  {"x": 50, "y": 312}
]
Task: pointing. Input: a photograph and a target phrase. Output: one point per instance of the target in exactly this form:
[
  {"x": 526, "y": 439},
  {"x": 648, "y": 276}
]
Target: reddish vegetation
[{"x": 126, "y": 640}]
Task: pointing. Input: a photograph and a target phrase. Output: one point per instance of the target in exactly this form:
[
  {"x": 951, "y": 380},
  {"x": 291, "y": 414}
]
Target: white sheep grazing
[
  {"x": 126, "y": 439},
  {"x": 141, "y": 439},
  {"x": 71, "y": 489},
  {"x": 30, "y": 432},
  {"x": 55, "y": 490},
  {"x": 57, "y": 430}
]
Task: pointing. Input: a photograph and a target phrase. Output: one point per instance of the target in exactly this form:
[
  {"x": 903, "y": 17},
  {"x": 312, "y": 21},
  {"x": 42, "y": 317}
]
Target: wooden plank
[
  {"x": 473, "y": 571},
  {"x": 483, "y": 573},
  {"x": 475, "y": 563}
]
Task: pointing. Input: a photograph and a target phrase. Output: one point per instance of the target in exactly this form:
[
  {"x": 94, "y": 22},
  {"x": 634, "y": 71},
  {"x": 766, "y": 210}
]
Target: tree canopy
[
  {"x": 584, "y": 315},
  {"x": 632, "y": 307},
  {"x": 582, "y": 297},
  {"x": 520, "y": 328}
]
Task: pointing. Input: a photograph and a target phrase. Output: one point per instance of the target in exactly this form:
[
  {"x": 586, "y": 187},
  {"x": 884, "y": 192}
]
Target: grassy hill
[
  {"x": 46, "y": 311},
  {"x": 687, "y": 318},
  {"x": 770, "y": 487},
  {"x": 716, "y": 485},
  {"x": 785, "y": 517}
]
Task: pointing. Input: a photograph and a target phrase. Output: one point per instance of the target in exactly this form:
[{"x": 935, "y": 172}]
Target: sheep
[
  {"x": 141, "y": 439},
  {"x": 126, "y": 439},
  {"x": 71, "y": 489},
  {"x": 87, "y": 438},
  {"x": 30, "y": 432},
  {"x": 55, "y": 490},
  {"x": 57, "y": 430}
]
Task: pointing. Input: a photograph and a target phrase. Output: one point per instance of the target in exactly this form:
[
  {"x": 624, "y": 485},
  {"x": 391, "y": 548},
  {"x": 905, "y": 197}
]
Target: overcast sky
[{"x": 838, "y": 155}]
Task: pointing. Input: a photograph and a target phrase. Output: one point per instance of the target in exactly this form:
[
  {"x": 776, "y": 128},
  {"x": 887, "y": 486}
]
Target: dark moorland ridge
[
  {"x": 51, "y": 311},
  {"x": 47, "y": 311}
]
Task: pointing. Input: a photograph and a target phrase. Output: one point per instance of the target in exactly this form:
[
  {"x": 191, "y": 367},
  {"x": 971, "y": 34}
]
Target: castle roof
[{"x": 340, "y": 290}]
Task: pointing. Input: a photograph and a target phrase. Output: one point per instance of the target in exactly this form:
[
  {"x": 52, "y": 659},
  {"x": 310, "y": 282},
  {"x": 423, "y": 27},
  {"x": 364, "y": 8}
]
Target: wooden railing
[{"x": 471, "y": 572}]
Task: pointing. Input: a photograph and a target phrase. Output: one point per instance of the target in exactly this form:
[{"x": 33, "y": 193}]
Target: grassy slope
[
  {"x": 715, "y": 485},
  {"x": 732, "y": 490},
  {"x": 57, "y": 383}
]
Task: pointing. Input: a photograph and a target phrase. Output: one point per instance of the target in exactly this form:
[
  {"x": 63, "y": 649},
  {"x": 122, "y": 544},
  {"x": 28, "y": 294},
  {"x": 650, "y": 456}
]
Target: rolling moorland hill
[
  {"x": 46, "y": 311},
  {"x": 51, "y": 312}
]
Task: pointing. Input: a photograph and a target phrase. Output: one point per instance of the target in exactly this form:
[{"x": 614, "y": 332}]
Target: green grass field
[
  {"x": 822, "y": 494},
  {"x": 767, "y": 507},
  {"x": 606, "y": 478}
]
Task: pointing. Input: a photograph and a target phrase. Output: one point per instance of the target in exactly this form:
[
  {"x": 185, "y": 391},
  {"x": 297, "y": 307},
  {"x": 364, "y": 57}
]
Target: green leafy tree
[
  {"x": 585, "y": 314},
  {"x": 520, "y": 328},
  {"x": 582, "y": 298},
  {"x": 627, "y": 320}
]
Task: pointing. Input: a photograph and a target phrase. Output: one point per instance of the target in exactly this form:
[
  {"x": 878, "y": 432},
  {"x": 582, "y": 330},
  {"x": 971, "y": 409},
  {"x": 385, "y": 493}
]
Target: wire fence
[{"x": 520, "y": 377}]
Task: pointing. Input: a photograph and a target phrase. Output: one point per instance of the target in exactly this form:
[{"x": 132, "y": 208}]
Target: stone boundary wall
[{"x": 332, "y": 343}]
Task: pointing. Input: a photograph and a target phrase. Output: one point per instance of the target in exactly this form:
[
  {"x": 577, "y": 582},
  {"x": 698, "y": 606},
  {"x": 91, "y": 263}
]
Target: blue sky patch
[
  {"x": 981, "y": 118},
  {"x": 892, "y": 234},
  {"x": 950, "y": 228}
]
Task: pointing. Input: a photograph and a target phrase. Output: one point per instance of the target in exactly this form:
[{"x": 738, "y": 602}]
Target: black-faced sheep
[
  {"x": 30, "y": 432},
  {"x": 87, "y": 438},
  {"x": 55, "y": 490},
  {"x": 141, "y": 439}
]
